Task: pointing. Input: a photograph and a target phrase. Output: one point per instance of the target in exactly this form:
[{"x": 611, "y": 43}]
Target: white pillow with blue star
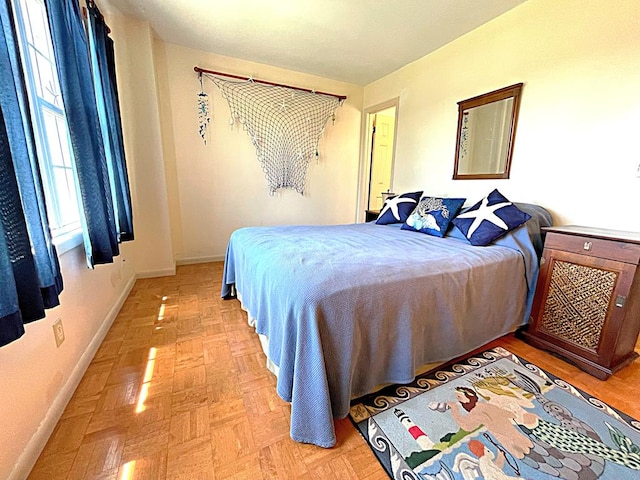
[
  {"x": 397, "y": 209},
  {"x": 489, "y": 219}
]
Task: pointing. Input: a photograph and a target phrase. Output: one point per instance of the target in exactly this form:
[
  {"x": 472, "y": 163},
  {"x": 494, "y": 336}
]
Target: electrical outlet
[{"x": 58, "y": 332}]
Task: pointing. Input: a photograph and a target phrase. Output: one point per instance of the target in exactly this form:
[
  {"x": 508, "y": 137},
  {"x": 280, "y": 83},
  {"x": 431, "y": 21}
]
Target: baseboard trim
[
  {"x": 194, "y": 260},
  {"x": 36, "y": 444},
  {"x": 166, "y": 272}
]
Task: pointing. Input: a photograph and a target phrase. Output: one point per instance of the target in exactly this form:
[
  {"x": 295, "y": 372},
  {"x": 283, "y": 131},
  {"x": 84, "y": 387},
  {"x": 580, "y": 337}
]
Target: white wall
[
  {"x": 141, "y": 128},
  {"x": 218, "y": 187},
  {"x": 575, "y": 150}
]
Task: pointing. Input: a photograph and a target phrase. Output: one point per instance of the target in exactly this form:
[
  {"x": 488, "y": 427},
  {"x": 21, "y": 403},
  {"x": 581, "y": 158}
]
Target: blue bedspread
[{"x": 350, "y": 307}]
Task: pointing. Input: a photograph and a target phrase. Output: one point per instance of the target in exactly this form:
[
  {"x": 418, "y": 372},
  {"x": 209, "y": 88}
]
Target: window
[{"x": 49, "y": 123}]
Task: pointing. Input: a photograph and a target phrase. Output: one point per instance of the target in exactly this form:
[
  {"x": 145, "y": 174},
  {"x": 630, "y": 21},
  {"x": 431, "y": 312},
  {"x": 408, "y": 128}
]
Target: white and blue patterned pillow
[
  {"x": 433, "y": 215},
  {"x": 489, "y": 219},
  {"x": 397, "y": 209}
]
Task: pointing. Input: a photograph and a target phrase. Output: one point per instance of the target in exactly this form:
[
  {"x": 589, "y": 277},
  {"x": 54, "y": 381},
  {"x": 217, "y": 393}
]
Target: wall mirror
[{"x": 486, "y": 131}]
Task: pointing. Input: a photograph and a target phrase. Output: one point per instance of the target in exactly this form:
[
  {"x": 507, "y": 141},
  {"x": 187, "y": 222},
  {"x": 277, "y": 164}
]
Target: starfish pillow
[
  {"x": 489, "y": 219},
  {"x": 397, "y": 209}
]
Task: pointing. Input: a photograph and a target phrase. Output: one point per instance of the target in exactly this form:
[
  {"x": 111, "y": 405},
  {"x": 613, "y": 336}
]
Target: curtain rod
[{"x": 204, "y": 70}]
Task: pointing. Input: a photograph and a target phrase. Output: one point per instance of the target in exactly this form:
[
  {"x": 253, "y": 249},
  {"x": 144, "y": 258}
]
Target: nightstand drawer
[{"x": 594, "y": 247}]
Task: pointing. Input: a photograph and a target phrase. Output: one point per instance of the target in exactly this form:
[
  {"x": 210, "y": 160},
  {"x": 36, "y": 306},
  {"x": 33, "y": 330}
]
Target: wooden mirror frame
[{"x": 513, "y": 91}]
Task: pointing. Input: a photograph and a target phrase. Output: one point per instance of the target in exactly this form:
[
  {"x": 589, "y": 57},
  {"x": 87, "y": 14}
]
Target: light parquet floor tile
[
  {"x": 147, "y": 466},
  {"x": 190, "y": 460},
  {"x": 146, "y": 440},
  {"x": 179, "y": 390}
]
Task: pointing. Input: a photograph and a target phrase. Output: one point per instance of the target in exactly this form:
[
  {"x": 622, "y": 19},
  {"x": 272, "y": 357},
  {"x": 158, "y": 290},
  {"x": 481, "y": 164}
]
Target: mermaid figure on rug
[{"x": 569, "y": 449}]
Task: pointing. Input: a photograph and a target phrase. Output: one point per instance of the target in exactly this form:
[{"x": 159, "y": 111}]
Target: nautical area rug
[{"x": 493, "y": 415}]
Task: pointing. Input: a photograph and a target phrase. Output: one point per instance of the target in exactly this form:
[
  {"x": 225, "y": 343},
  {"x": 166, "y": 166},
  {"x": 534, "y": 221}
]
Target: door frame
[{"x": 365, "y": 153}]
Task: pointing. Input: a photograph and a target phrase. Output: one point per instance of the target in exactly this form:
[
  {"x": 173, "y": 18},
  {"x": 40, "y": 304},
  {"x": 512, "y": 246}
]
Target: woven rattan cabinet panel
[{"x": 587, "y": 301}]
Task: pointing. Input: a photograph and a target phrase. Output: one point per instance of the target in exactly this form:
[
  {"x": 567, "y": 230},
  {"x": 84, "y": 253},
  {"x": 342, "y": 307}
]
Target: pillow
[
  {"x": 433, "y": 214},
  {"x": 489, "y": 219},
  {"x": 397, "y": 209}
]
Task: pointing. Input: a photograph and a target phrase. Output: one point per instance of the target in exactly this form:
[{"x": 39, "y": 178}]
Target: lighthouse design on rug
[{"x": 418, "y": 435}]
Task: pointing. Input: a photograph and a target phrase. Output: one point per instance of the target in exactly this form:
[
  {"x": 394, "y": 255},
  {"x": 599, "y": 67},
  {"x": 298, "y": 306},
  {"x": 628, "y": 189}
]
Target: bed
[{"x": 346, "y": 308}]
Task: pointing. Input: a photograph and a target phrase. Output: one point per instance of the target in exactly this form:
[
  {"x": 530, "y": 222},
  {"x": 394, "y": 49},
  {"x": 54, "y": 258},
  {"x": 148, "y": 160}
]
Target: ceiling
[{"x": 356, "y": 41}]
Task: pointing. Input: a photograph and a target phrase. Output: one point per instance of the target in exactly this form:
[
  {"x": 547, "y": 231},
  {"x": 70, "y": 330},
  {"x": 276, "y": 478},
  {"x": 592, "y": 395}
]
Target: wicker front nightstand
[{"x": 587, "y": 302}]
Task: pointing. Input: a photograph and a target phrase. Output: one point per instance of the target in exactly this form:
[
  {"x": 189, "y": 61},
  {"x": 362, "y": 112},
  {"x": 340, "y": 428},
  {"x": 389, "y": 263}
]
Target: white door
[{"x": 381, "y": 157}]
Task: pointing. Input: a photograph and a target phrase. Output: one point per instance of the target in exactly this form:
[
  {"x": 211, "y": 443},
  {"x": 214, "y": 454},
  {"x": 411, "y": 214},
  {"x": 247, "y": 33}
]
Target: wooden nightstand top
[
  {"x": 371, "y": 215},
  {"x": 604, "y": 233}
]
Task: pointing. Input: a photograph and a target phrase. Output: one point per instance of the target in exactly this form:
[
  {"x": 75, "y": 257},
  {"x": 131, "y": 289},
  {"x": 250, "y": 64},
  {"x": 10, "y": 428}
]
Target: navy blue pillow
[
  {"x": 397, "y": 209},
  {"x": 489, "y": 219},
  {"x": 433, "y": 214}
]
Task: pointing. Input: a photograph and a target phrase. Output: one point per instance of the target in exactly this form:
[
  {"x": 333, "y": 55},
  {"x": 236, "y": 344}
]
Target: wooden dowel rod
[{"x": 264, "y": 82}]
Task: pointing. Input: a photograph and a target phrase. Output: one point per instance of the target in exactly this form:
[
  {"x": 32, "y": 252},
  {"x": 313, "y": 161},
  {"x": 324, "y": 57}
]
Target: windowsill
[{"x": 68, "y": 241}]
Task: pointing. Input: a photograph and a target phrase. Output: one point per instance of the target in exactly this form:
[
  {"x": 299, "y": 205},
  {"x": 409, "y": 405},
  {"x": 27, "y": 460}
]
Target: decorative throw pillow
[
  {"x": 489, "y": 219},
  {"x": 433, "y": 214},
  {"x": 397, "y": 209}
]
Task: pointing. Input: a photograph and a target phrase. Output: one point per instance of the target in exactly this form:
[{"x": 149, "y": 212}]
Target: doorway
[{"x": 380, "y": 141}]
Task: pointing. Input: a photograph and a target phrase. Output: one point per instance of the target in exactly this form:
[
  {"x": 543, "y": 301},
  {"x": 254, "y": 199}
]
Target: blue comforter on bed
[{"x": 349, "y": 307}]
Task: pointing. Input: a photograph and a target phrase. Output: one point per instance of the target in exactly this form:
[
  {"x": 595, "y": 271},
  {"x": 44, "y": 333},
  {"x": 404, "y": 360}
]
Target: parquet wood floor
[{"x": 179, "y": 390}]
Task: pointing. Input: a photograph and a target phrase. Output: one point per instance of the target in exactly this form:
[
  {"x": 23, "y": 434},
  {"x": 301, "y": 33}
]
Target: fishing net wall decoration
[{"x": 284, "y": 124}]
